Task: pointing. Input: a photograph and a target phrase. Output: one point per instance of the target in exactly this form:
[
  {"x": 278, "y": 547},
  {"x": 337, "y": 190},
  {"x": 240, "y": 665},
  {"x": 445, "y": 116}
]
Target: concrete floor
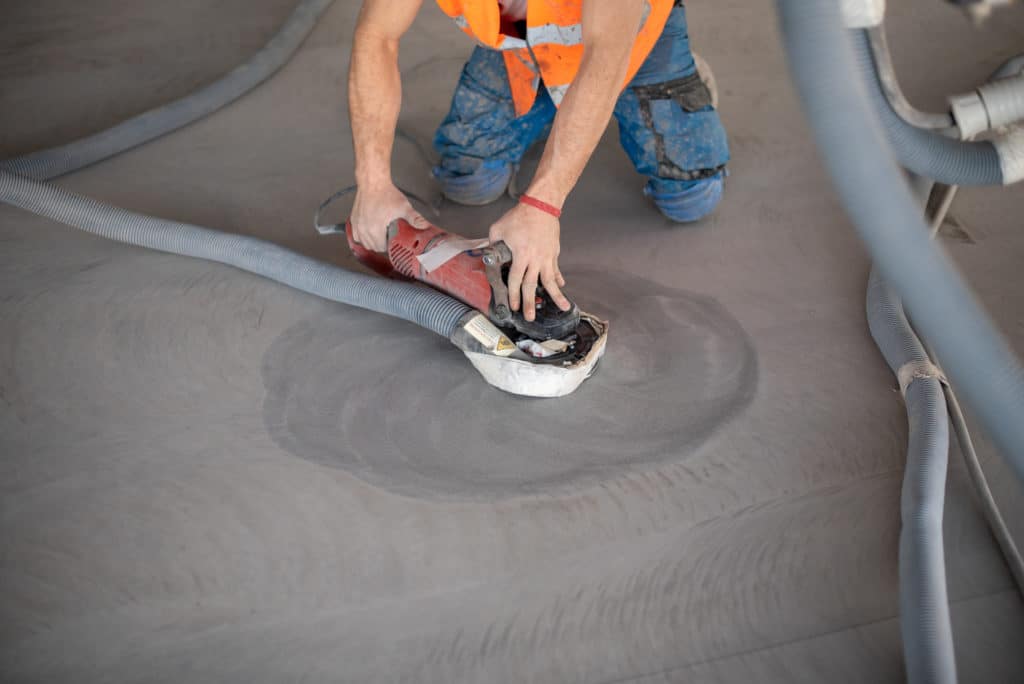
[{"x": 208, "y": 477}]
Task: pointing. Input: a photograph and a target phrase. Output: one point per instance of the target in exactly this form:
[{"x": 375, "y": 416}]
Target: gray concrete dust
[
  {"x": 678, "y": 366},
  {"x": 207, "y": 477}
]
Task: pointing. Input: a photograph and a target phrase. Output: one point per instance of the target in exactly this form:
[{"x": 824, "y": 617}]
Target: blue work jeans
[{"x": 667, "y": 126}]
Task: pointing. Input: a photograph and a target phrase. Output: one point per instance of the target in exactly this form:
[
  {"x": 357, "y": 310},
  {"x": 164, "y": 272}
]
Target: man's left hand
[{"x": 533, "y": 238}]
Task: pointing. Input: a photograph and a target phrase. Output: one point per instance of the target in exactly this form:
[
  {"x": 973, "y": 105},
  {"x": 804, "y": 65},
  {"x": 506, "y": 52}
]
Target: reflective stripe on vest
[
  {"x": 553, "y": 33},
  {"x": 553, "y": 48},
  {"x": 512, "y": 43},
  {"x": 557, "y": 93}
]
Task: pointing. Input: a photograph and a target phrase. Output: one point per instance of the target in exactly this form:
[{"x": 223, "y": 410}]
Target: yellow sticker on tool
[
  {"x": 488, "y": 335},
  {"x": 505, "y": 347}
]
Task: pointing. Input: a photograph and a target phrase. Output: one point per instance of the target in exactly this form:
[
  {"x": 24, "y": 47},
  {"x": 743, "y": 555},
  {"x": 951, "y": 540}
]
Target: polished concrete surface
[{"x": 206, "y": 476}]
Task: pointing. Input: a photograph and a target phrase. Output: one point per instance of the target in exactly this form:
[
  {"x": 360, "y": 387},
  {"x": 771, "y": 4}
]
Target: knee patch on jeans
[{"x": 688, "y": 138}]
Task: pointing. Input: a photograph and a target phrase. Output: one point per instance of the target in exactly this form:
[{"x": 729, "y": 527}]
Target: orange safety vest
[{"x": 553, "y": 47}]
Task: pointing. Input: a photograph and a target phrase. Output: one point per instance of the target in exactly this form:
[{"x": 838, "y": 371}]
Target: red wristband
[{"x": 543, "y": 206}]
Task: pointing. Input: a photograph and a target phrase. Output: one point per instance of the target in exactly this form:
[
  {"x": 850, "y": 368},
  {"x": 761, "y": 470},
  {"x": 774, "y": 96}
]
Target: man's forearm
[
  {"x": 374, "y": 97},
  {"x": 588, "y": 104}
]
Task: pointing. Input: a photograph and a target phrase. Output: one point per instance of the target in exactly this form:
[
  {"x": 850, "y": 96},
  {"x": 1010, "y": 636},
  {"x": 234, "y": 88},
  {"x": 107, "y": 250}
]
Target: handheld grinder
[{"x": 548, "y": 356}]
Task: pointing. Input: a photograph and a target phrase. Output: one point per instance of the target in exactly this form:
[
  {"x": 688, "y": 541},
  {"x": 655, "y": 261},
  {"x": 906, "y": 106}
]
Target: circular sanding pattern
[{"x": 404, "y": 410}]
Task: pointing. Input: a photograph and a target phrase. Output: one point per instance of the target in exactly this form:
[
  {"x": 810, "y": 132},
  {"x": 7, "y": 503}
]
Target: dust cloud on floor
[{"x": 209, "y": 477}]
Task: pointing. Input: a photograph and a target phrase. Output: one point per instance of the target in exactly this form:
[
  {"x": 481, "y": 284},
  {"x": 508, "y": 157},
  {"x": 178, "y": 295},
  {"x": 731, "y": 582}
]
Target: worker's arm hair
[
  {"x": 375, "y": 86},
  {"x": 609, "y": 32}
]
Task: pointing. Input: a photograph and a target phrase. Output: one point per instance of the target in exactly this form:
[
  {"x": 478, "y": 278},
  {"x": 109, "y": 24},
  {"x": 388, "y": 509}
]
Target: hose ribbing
[
  {"x": 415, "y": 303},
  {"x": 875, "y": 194},
  {"x": 924, "y": 605},
  {"x": 925, "y": 152},
  {"x": 57, "y": 161},
  {"x": 885, "y": 74}
]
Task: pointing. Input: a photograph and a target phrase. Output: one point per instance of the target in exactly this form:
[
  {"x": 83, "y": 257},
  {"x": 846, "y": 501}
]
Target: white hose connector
[
  {"x": 1010, "y": 148},
  {"x": 991, "y": 106},
  {"x": 862, "y": 14},
  {"x": 969, "y": 113}
]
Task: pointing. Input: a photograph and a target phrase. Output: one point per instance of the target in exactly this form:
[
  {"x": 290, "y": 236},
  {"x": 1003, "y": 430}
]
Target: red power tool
[
  {"x": 549, "y": 356},
  {"x": 476, "y": 275}
]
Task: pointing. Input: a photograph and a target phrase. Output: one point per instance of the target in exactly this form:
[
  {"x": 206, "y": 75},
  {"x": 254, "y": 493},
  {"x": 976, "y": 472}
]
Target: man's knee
[
  {"x": 484, "y": 183},
  {"x": 673, "y": 135},
  {"x": 686, "y": 201}
]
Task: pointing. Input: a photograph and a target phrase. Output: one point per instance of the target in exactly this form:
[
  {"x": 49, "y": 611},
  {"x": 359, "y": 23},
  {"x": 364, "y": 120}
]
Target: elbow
[
  {"x": 369, "y": 41},
  {"x": 611, "y": 51}
]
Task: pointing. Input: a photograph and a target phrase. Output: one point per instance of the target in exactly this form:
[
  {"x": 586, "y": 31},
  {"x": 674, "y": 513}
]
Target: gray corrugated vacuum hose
[
  {"x": 885, "y": 73},
  {"x": 926, "y": 152},
  {"x": 924, "y": 605},
  {"x": 56, "y": 161},
  {"x": 415, "y": 303},
  {"x": 418, "y": 304},
  {"x": 875, "y": 194}
]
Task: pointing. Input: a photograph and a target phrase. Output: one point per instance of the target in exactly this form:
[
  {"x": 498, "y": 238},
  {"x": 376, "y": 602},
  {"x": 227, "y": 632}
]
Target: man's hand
[
  {"x": 374, "y": 209},
  {"x": 532, "y": 236}
]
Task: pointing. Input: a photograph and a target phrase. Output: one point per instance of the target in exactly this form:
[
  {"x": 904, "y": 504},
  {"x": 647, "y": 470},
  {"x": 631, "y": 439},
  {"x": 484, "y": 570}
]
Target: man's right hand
[{"x": 374, "y": 209}]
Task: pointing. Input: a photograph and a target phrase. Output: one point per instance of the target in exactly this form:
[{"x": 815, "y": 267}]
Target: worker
[{"x": 543, "y": 68}]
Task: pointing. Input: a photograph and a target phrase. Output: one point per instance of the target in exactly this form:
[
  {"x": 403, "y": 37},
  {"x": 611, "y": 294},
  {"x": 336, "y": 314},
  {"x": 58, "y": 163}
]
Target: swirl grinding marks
[{"x": 405, "y": 411}]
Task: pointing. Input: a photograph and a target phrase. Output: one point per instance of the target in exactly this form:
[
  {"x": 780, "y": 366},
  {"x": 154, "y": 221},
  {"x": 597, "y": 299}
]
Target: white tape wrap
[
  {"x": 1010, "y": 147},
  {"x": 918, "y": 370},
  {"x": 859, "y": 14},
  {"x": 448, "y": 250}
]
